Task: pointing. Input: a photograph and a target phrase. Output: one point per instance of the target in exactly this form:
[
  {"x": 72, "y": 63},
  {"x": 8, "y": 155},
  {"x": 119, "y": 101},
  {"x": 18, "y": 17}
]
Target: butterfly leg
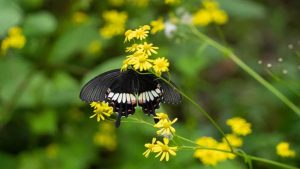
[
  {"x": 155, "y": 119},
  {"x": 118, "y": 120}
]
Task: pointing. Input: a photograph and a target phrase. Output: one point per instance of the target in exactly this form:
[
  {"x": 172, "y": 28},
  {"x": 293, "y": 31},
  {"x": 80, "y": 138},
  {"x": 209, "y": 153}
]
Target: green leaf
[
  {"x": 30, "y": 160},
  {"x": 10, "y": 15},
  {"x": 71, "y": 42},
  {"x": 44, "y": 123},
  {"x": 62, "y": 89},
  {"x": 243, "y": 9},
  {"x": 41, "y": 23},
  {"x": 7, "y": 161},
  {"x": 15, "y": 67}
]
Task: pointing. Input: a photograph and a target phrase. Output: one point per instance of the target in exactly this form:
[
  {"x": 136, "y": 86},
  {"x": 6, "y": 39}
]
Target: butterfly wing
[
  {"x": 96, "y": 88},
  {"x": 170, "y": 95},
  {"x": 121, "y": 94},
  {"x": 150, "y": 94}
]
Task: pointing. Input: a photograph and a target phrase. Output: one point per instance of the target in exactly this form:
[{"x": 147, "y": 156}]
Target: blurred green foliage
[{"x": 44, "y": 125}]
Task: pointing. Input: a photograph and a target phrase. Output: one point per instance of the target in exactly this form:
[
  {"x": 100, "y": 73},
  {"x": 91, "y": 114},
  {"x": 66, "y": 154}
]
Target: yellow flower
[
  {"x": 129, "y": 34},
  {"x": 114, "y": 23},
  {"x": 220, "y": 17},
  {"x": 234, "y": 140},
  {"x": 79, "y": 17},
  {"x": 210, "y": 4},
  {"x": 160, "y": 65},
  {"x": 133, "y": 48},
  {"x": 142, "y": 32},
  {"x": 52, "y": 150},
  {"x": 212, "y": 157},
  {"x": 94, "y": 47},
  {"x": 170, "y": 2},
  {"x": 165, "y": 127},
  {"x": 239, "y": 126},
  {"x": 163, "y": 150},
  {"x": 157, "y": 25},
  {"x": 224, "y": 155},
  {"x": 106, "y": 136},
  {"x": 283, "y": 150},
  {"x": 207, "y": 157},
  {"x": 210, "y": 13},
  {"x": 140, "y": 61},
  {"x": 148, "y": 48},
  {"x": 101, "y": 109},
  {"x": 105, "y": 140},
  {"x": 201, "y": 18},
  {"x": 15, "y": 39},
  {"x": 150, "y": 147},
  {"x": 161, "y": 116}
]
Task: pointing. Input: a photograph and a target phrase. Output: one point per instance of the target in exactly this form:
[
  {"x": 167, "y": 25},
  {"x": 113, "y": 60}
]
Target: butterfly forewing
[{"x": 96, "y": 88}]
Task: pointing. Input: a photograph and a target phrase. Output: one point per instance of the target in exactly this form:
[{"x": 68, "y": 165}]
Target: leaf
[
  {"x": 13, "y": 72},
  {"x": 10, "y": 15},
  {"x": 62, "y": 89},
  {"x": 243, "y": 9},
  {"x": 7, "y": 161},
  {"x": 71, "y": 42},
  {"x": 41, "y": 23},
  {"x": 44, "y": 123}
]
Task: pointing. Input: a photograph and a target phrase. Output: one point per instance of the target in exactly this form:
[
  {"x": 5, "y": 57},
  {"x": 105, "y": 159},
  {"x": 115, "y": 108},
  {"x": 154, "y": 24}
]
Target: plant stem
[
  {"x": 205, "y": 113},
  {"x": 247, "y": 69},
  {"x": 263, "y": 160}
]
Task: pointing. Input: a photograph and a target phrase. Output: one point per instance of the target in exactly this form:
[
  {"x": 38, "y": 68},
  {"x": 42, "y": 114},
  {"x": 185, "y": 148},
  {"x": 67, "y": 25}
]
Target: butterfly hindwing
[
  {"x": 170, "y": 95},
  {"x": 150, "y": 94},
  {"x": 121, "y": 95}
]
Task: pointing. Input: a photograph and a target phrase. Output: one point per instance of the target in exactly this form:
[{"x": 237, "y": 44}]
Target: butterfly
[{"x": 124, "y": 90}]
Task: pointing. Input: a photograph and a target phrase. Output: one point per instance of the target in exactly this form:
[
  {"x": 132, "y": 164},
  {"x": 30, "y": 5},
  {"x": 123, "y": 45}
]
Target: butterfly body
[{"x": 125, "y": 90}]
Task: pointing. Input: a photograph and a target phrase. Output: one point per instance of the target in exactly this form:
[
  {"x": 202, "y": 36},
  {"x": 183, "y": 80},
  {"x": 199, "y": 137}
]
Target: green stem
[
  {"x": 199, "y": 108},
  {"x": 237, "y": 152},
  {"x": 263, "y": 160},
  {"x": 247, "y": 69}
]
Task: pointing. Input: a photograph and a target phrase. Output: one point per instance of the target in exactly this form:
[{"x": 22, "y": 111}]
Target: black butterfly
[{"x": 123, "y": 90}]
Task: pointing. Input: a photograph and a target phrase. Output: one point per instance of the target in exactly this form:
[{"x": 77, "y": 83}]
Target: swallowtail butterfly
[{"x": 124, "y": 90}]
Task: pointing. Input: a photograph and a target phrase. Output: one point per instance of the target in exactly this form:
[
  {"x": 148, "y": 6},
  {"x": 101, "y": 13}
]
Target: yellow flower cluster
[
  {"x": 213, "y": 157},
  {"x": 52, "y": 150},
  {"x": 161, "y": 148},
  {"x": 15, "y": 39},
  {"x": 114, "y": 23},
  {"x": 79, "y": 17},
  {"x": 171, "y": 2},
  {"x": 101, "y": 109},
  {"x": 283, "y": 150},
  {"x": 94, "y": 47},
  {"x": 210, "y": 13},
  {"x": 137, "y": 3},
  {"x": 165, "y": 125},
  {"x": 106, "y": 136},
  {"x": 157, "y": 25},
  {"x": 140, "y": 52},
  {"x": 239, "y": 126}
]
